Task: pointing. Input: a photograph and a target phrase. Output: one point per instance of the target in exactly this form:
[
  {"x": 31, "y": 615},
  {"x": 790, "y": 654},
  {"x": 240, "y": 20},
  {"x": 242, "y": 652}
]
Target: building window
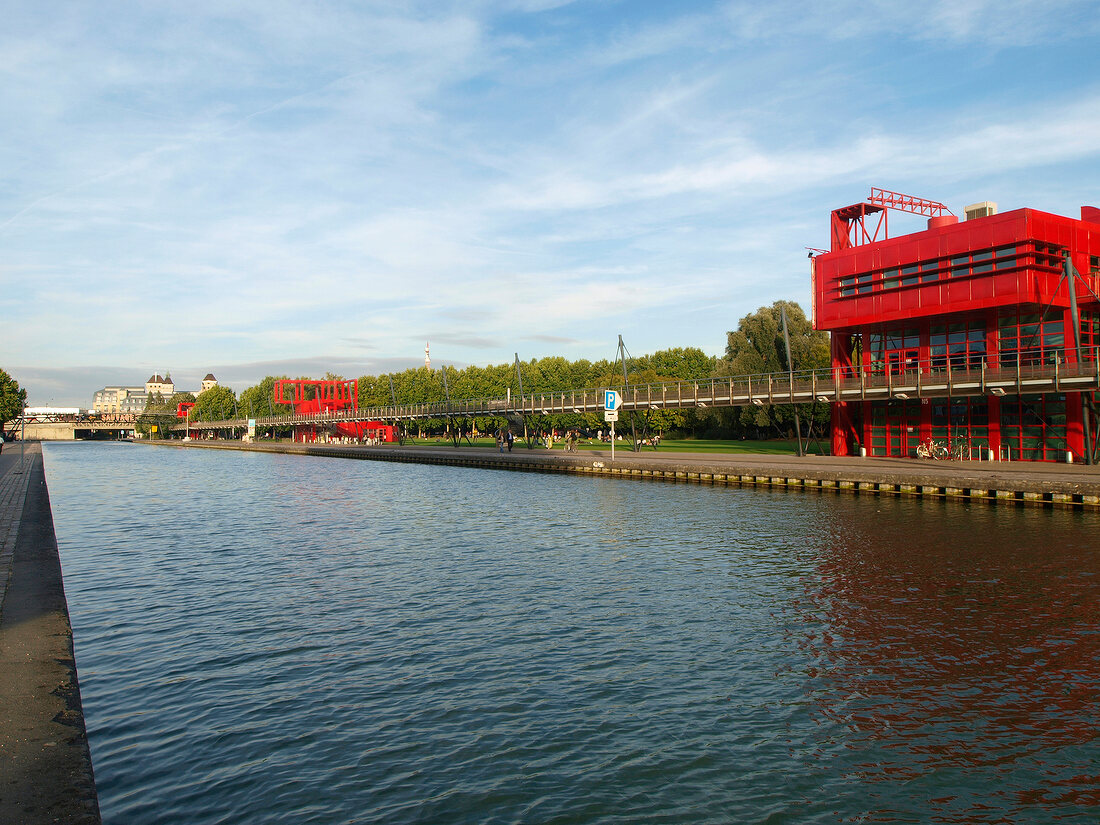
[
  {"x": 895, "y": 427},
  {"x": 896, "y": 350},
  {"x": 1090, "y": 335},
  {"x": 959, "y": 346},
  {"x": 961, "y": 422},
  {"x": 1047, "y": 256},
  {"x": 1033, "y": 427},
  {"x": 1027, "y": 340}
]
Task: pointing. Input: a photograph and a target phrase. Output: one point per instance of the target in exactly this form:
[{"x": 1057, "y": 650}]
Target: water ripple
[{"x": 270, "y": 639}]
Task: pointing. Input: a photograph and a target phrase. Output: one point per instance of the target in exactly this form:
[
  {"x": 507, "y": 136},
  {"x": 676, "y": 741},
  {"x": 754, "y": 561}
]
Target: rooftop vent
[{"x": 980, "y": 210}]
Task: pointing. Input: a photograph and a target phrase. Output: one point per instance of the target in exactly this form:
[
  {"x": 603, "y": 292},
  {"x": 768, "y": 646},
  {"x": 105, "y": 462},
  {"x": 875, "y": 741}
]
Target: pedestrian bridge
[{"x": 935, "y": 379}]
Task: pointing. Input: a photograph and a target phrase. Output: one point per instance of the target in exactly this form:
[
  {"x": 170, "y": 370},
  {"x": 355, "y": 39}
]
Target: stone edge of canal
[
  {"x": 45, "y": 764},
  {"x": 1025, "y": 484}
]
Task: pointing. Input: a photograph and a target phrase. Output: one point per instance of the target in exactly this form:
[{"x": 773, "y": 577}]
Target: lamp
[
  {"x": 997, "y": 390},
  {"x": 901, "y": 395},
  {"x": 758, "y": 402},
  {"x": 823, "y": 398}
]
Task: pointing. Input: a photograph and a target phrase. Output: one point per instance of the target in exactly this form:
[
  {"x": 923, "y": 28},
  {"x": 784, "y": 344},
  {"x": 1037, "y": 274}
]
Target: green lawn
[{"x": 668, "y": 445}]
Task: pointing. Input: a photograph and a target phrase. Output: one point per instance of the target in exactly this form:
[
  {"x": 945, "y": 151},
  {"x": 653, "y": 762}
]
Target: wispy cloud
[{"x": 322, "y": 188}]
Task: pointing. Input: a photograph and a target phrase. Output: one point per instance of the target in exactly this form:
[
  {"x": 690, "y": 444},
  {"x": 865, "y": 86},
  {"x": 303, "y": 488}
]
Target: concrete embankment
[
  {"x": 1017, "y": 483},
  {"x": 45, "y": 766}
]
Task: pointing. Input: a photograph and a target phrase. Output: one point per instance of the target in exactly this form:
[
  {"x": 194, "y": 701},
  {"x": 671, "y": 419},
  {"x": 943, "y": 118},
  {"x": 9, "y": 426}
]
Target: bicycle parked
[
  {"x": 940, "y": 450},
  {"x": 932, "y": 449}
]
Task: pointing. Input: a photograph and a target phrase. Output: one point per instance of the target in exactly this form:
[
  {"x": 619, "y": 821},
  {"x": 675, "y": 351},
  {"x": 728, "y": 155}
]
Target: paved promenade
[{"x": 45, "y": 767}]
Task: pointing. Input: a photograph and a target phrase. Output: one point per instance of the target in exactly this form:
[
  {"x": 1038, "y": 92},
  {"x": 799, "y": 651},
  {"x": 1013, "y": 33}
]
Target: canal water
[{"x": 287, "y": 639}]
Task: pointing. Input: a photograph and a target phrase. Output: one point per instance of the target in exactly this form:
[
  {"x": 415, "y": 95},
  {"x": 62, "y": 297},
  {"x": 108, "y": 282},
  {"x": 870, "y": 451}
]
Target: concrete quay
[
  {"x": 1016, "y": 483},
  {"x": 45, "y": 765}
]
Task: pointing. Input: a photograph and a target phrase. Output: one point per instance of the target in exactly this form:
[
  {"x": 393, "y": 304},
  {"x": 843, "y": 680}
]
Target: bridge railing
[{"x": 940, "y": 376}]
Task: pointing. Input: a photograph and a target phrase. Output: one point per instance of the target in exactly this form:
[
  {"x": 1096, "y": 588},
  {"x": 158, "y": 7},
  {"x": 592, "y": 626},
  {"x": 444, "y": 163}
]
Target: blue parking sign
[{"x": 611, "y": 400}]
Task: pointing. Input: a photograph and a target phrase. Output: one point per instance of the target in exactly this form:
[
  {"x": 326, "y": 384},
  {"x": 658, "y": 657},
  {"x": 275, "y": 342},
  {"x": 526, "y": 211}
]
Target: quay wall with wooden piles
[{"x": 967, "y": 482}]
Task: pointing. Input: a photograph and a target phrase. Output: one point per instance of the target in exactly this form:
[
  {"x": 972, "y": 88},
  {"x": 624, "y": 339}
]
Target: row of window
[
  {"x": 1021, "y": 338},
  {"x": 1031, "y": 427},
  {"x": 1036, "y": 255}
]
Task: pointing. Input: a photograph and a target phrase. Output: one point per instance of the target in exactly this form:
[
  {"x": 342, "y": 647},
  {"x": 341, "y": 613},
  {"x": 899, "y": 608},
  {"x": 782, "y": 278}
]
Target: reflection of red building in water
[
  {"x": 992, "y": 291},
  {"x": 321, "y": 398}
]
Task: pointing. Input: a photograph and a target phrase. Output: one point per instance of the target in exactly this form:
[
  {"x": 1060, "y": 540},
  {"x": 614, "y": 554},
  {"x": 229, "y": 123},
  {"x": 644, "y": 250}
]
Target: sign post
[{"x": 611, "y": 402}]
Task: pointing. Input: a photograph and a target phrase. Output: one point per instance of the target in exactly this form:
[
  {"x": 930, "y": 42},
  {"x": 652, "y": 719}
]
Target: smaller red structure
[
  {"x": 311, "y": 397},
  {"x": 183, "y": 409}
]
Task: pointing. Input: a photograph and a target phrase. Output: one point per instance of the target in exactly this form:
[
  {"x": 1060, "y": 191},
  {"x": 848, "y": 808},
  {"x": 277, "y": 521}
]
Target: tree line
[{"x": 756, "y": 346}]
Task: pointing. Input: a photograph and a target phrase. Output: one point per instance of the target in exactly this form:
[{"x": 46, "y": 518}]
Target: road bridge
[{"x": 69, "y": 427}]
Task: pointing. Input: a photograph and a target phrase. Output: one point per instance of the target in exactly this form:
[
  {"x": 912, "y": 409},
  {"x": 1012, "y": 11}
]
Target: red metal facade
[{"x": 981, "y": 291}]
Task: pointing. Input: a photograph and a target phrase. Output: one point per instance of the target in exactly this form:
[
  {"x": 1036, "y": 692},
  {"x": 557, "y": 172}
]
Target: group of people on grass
[{"x": 570, "y": 438}]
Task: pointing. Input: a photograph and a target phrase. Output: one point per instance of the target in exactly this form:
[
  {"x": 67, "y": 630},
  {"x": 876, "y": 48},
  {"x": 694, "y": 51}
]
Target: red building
[{"x": 992, "y": 291}]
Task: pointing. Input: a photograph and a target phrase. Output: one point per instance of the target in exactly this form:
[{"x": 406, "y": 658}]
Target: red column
[
  {"x": 1075, "y": 426},
  {"x": 843, "y": 427},
  {"x": 993, "y": 407}
]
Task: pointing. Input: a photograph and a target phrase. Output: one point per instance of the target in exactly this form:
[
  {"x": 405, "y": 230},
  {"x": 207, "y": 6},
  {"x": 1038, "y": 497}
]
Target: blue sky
[{"x": 254, "y": 188}]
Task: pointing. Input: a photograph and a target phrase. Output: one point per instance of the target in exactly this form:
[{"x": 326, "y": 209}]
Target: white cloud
[{"x": 278, "y": 181}]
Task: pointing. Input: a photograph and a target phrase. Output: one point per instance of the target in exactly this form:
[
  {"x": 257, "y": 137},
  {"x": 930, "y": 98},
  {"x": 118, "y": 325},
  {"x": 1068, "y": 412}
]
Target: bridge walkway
[{"x": 827, "y": 386}]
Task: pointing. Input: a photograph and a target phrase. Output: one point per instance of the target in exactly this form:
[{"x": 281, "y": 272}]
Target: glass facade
[
  {"x": 895, "y": 427},
  {"x": 960, "y": 345},
  {"x": 1025, "y": 338},
  {"x": 962, "y": 423},
  {"x": 1033, "y": 427}
]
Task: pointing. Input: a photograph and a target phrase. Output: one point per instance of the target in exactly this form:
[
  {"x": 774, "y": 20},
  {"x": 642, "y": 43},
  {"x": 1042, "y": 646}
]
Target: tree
[
  {"x": 162, "y": 413},
  {"x": 259, "y": 401},
  {"x": 757, "y": 347},
  {"x": 12, "y": 399},
  {"x": 216, "y": 404}
]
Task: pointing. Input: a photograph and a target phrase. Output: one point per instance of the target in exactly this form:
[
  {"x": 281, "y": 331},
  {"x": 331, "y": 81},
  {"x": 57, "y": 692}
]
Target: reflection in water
[{"x": 946, "y": 642}]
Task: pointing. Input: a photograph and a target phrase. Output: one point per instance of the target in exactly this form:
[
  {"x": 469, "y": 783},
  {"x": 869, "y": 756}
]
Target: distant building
[
  {"x": 120, "y": 400},
  {"x": 207, "y": 383},
  {"x": 160, "y": 386}
]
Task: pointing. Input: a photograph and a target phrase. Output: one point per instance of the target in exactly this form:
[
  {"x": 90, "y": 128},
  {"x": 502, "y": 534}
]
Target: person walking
[{"x": 510, "y": 439}]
